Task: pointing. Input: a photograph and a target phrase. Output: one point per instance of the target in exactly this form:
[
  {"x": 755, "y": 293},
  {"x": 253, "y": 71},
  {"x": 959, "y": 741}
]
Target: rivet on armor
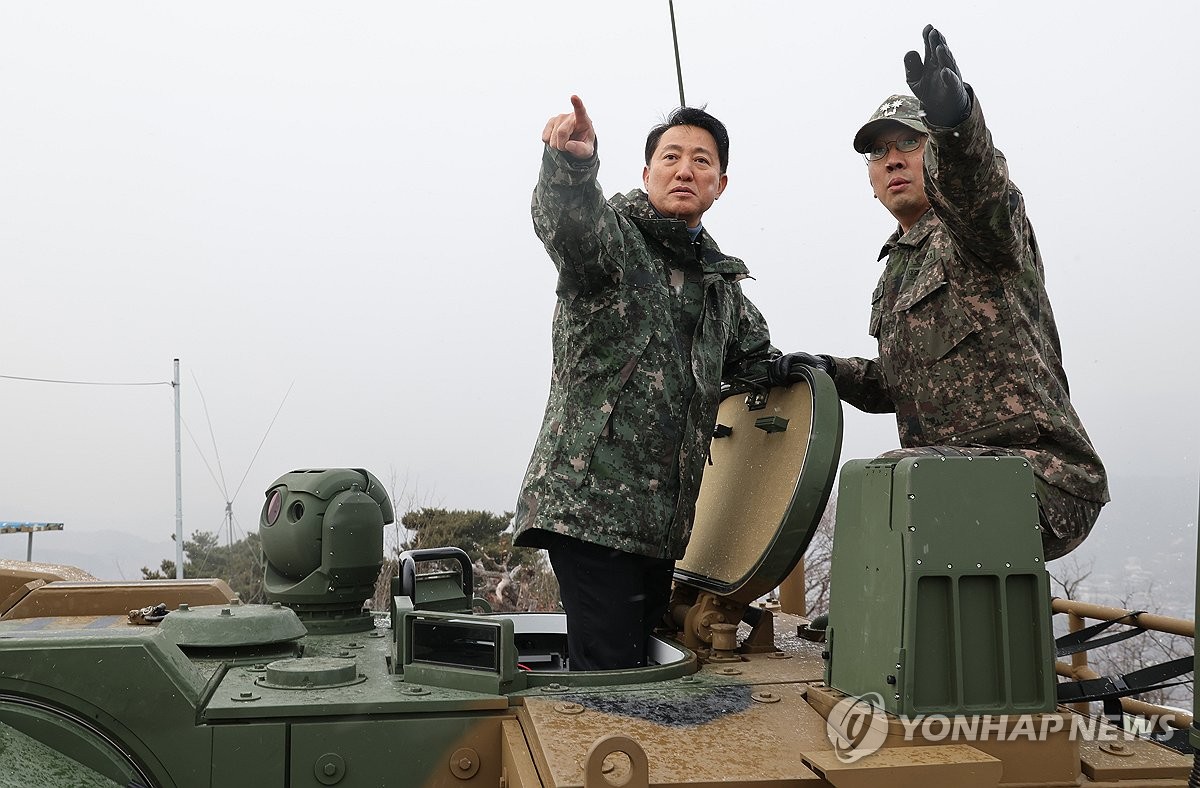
[
  {"x": 329, "y": 769},
  {"x": 1116, "y": 748},
  {"x": 464, "y": 763}
]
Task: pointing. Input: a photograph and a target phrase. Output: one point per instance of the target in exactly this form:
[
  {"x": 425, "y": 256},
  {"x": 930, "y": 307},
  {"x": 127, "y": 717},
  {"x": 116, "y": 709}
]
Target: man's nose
[
  {"x": 894, "y": 160},
  {"x": 684, "y": 173}
]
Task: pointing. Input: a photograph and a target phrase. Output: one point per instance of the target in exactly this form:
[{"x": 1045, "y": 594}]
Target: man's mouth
[
  {"x": 895, "y": 183},
  {"x": 682, "y": 190}
]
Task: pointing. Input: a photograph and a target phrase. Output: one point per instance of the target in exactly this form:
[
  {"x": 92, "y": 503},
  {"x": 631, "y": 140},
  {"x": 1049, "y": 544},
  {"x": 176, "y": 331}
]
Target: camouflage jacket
[
  {"x": 968, "y": 349},
  {"x": 647, "y": 325}
]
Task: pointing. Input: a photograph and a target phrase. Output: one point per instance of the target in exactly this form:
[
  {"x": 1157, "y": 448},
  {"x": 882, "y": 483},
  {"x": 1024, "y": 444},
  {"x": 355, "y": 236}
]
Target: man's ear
[
  {"x": 721, "y": 184},
  {"x": 646, "y": 177}
]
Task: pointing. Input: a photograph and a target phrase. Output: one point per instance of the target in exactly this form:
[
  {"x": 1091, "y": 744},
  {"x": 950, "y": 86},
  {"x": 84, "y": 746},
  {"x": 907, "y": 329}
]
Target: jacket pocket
[
  {"x": 876, "y": 310},
  {"x": 935, "y": 318}
]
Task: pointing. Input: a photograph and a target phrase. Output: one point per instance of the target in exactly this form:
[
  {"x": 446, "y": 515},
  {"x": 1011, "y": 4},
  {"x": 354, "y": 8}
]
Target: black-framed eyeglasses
[{"x": 880, "y": 149}]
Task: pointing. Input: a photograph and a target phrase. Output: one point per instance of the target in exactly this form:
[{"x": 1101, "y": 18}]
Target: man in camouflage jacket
[
  {"x": 969, "y": 357},
  {"x": 650, "y": 319}
]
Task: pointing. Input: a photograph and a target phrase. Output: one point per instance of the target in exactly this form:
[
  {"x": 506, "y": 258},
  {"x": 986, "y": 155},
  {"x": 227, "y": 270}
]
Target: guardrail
[{"x": 1078, "y": 669}]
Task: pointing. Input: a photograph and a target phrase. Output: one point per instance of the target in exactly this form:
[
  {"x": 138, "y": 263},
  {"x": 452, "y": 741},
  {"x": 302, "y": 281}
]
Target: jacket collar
[
  {"x": 673, "y": 234},
  {"x": 915, "y": 235}
]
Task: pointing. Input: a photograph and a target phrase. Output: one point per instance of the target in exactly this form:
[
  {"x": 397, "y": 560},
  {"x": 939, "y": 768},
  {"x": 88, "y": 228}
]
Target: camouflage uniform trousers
[{"x": 1065, "y": 520}]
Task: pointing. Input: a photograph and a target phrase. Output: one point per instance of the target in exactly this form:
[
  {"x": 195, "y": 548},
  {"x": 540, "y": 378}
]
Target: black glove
[
  {"x": 786, "y": 368},
  {"x": 937, "y": 82}
]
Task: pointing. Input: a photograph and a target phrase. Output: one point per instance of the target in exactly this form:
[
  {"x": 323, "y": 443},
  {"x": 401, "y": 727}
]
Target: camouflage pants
[{"x": 1064, "y": 519}]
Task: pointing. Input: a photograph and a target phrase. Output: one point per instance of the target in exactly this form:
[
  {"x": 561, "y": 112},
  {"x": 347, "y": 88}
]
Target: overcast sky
[{"x": 334, "y": 197}]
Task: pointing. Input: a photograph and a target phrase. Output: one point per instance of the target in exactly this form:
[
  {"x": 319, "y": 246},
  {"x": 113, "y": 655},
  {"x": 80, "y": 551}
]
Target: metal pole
[
  {"x": 29, "y": 548},
  {"x": 675, "y": 41},
  {"x": 178, "y": 484},
  {"x": 1194, "y": 732},
  {"x": 791, "y": 592}
]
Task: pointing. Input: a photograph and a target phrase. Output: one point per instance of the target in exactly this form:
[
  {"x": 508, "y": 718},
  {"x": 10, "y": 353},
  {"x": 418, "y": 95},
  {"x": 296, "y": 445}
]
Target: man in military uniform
[
  {"x": 969, "y": 357},
  {"x": 650, "y": 319}
]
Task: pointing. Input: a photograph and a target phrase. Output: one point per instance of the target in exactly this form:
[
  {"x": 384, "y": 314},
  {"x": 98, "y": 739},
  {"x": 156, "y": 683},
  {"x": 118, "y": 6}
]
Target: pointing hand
[{"x": 571, "y": 132}]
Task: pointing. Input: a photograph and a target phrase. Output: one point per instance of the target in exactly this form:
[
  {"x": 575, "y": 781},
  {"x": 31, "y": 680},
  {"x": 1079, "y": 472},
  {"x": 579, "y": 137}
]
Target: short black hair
[{"x": 691, "y": 116}]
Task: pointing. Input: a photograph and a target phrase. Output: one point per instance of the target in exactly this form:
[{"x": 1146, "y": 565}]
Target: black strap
[
  {"x": 1075, "y": 642},
  {"x": 1112, "y": 688}
]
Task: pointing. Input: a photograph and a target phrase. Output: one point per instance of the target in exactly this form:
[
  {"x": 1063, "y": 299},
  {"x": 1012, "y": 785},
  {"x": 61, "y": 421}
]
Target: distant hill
[{"x": 107, "y": 554}]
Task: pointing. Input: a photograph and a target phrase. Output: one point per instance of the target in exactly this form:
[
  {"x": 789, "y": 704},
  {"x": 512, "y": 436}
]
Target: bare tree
[
  {"x": 1144, "y": 650},
  {"x": 1069, "y": 574},
  {"x": 817, "y": 560},
  {"x": 515, "y": 580}
]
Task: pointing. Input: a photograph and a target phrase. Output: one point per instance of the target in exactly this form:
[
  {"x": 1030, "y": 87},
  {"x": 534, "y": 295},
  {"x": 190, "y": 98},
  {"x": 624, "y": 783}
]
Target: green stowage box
[{"x": 939, "y": 597}]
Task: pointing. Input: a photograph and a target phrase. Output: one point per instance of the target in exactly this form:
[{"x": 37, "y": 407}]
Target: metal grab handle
[{"x": 408, "y": 567}]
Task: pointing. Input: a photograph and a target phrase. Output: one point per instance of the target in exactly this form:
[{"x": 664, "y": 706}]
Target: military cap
[{"x": 905, "y": 110}]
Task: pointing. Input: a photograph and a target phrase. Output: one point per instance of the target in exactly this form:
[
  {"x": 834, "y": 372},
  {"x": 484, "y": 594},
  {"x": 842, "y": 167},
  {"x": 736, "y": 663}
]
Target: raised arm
[
  {"x": 967, "y": 183},
  {"x": 579, "y": 229}
]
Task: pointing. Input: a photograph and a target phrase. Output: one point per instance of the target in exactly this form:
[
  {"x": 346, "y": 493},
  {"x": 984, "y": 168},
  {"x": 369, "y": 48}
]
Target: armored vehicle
[{"x": 937, "y": 667}]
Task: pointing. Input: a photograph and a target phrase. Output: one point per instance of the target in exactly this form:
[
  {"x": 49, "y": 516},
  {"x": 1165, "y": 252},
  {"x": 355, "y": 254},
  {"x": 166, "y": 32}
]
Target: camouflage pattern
[
  {"x": 1064, "y": 519},
  {"x": 646, "y": 327},
  {"x": 969, "y": 353}
]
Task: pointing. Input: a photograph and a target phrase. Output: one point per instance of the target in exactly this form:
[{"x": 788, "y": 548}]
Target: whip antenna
[{"x": 678, "y": 68}]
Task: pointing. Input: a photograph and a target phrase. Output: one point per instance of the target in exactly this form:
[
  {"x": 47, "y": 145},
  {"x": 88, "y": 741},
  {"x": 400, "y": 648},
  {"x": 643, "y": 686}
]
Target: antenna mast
[
  {"x": 178, "y": 483},
  {"x": 678, "y": 67}
]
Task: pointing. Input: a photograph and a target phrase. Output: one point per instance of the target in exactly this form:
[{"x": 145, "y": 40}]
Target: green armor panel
[{"x": 939, "y": 597}]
